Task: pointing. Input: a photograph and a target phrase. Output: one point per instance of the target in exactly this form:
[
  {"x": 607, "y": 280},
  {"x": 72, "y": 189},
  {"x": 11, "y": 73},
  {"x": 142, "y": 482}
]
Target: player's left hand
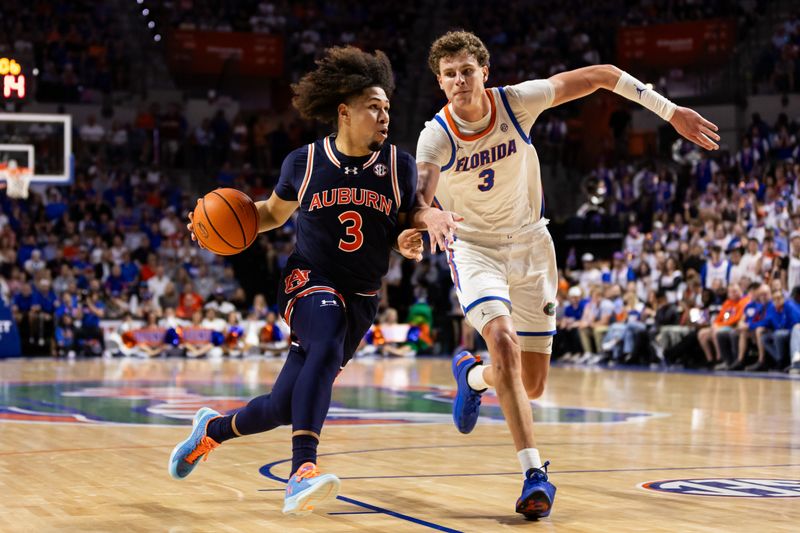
[
  {"x": 409, "y": 244},
  {"x": 694, "y": 127}
]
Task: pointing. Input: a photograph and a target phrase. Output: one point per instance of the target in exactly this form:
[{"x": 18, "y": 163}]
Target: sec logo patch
[{"x": 380, "y": 170}]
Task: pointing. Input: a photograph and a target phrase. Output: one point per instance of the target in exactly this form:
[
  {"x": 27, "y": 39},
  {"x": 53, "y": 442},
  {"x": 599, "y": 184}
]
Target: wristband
[{"x": 642, "y": 93}]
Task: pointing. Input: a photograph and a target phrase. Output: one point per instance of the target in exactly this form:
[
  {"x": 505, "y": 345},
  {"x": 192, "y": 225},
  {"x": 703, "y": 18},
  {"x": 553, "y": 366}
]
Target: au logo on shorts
[
  {"x": 729, "y": 487},
  {"x": 296, "y": 279},
  {"x": 550, "y": 309}
]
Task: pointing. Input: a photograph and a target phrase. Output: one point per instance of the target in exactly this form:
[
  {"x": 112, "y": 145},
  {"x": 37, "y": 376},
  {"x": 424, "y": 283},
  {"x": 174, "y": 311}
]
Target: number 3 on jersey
[
  {"x": 488, "y": 180},
  {"x": 353, "y": 231}
]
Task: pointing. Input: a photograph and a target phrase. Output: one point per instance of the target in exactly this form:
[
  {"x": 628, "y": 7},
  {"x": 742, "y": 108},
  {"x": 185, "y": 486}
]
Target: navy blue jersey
[{"x": 347, "y": 219}]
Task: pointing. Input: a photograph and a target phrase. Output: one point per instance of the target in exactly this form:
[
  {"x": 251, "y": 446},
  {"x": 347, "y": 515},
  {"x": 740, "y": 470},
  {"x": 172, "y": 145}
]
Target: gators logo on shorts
[{"x": 550, "y": 309}]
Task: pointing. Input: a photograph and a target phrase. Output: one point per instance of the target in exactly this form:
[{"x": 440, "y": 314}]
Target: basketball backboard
[{"x": 40, "y": 142}]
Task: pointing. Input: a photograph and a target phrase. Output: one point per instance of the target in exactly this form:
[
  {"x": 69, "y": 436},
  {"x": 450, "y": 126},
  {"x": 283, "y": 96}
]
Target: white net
[{"x": 17, "y": 179}]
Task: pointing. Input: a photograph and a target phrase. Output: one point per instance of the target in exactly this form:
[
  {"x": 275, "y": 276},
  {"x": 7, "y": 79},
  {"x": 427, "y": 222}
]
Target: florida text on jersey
[
  {"x": 347, "y": 218},
  {"x": 492, "y": 177}
]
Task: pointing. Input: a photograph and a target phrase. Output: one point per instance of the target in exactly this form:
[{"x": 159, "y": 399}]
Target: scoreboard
[{"x": 13, "y": 84}]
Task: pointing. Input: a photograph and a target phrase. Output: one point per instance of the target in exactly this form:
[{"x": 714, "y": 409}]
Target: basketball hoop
[{"x": 18, "y": 179}]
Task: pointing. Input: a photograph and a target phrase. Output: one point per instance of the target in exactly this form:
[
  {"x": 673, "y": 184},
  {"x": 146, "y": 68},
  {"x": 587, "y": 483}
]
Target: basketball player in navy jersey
[{"x": 353, "y": 192}]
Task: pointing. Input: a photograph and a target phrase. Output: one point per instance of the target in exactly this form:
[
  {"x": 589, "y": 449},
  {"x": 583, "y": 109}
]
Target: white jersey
[
  {"x": 490, "y": 177},
  {"x": 719, "y": 271},
  {"x": 794, "y": 272}
]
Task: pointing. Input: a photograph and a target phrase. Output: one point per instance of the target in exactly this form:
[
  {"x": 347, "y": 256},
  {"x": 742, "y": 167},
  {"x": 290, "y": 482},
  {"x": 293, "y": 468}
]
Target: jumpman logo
[
  {"x": 350, "y": 170},
  {"x": 483, "y": 313},
  {"x": 640, "y": 90}
]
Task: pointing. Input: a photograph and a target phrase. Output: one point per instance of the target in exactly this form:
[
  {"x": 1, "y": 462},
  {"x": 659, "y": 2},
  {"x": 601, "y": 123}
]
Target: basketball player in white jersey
[{"x": 479, "y": 170}]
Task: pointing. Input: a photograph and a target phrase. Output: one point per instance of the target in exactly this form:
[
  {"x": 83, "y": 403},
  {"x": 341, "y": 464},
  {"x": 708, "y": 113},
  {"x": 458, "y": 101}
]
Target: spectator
[
  {"x": 568, "y": 328},
  {"x": 715, "y": 268},
  {"x": 731, "y": 312},
  {"x": 189, "y": 302},
  {"x": 735, "y": 341},
  {"x": 772, "y": 334}
]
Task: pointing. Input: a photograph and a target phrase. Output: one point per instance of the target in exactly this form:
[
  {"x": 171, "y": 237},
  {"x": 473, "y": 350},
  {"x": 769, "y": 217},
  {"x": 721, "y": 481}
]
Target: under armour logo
[
  {"x": 640, "y": 90},
  {"x": 328, "y": 303},
  {"x": 350, "y": 170}
]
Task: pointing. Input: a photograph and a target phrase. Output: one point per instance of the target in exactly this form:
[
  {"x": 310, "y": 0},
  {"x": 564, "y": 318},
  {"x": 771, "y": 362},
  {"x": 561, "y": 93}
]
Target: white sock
[
  {"x": 475, "y": 378},
  {"x": 529, "y": 458}
]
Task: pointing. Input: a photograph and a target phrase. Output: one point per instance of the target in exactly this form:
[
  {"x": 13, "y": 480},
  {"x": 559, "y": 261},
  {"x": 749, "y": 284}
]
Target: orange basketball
[{"x": 225, "y": 221}]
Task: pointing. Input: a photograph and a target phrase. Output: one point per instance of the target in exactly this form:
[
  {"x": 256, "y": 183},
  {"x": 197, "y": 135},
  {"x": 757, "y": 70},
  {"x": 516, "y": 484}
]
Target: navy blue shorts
[{"x": 301, "y": 291}]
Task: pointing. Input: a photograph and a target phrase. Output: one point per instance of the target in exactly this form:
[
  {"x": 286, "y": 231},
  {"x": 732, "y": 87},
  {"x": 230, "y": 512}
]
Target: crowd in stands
[
  {"x": 106, "y": 265},
  {"x": 307, "y": 27},
  {"x": 108, "y": 258},
  {"x": 160, "y": 138},
  {"x": 778, "y": 65},
  {"x": 708, "y": 273},
  {"x": 538, "y": 39},
  {"x": 76, "y": 45}
]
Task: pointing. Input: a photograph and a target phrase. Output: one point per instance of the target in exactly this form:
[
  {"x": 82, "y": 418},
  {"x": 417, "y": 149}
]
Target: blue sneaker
[
  {"x": 187, "y": 453},
  {"x": 467, "y": 402},
  {"x": 538, "y": 494},
  {"x": 307, "y": 488}
]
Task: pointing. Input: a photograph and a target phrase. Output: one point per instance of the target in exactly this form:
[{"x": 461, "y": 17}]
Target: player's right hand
[
  {"x": 694, "y": 127},
  {"x": 190, "y": 227},
  {"x": 441, "y": 226}
]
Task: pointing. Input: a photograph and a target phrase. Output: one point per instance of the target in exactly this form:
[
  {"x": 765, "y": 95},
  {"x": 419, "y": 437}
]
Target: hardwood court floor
[{"x": 84, "y": 447}]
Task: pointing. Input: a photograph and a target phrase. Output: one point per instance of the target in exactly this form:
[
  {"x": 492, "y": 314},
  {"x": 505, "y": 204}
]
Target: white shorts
[{"x": 509, "y": 274}]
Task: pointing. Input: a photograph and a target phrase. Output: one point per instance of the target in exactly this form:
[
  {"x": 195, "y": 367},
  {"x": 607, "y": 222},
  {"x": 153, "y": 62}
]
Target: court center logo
[
  {"x": 728, "y": 487},
  {"x": 165, "y": 404}
]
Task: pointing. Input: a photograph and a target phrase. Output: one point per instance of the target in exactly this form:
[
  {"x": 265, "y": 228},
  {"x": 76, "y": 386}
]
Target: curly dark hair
[
  {"x": 344, "y": 72},
  {"x": 453, "y": 43}
]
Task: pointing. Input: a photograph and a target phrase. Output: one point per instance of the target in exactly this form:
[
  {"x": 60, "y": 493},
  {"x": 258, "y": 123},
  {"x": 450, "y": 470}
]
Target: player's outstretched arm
[
  {"x": 441, "y": 225},
  {"x": 580, "y": 82},
  {"x": 274, "y": 212}
]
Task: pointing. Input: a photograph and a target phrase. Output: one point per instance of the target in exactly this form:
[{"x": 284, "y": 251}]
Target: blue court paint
[
  {"x": 266, "y": 471},
  {"x": 398, "y": 515}
]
